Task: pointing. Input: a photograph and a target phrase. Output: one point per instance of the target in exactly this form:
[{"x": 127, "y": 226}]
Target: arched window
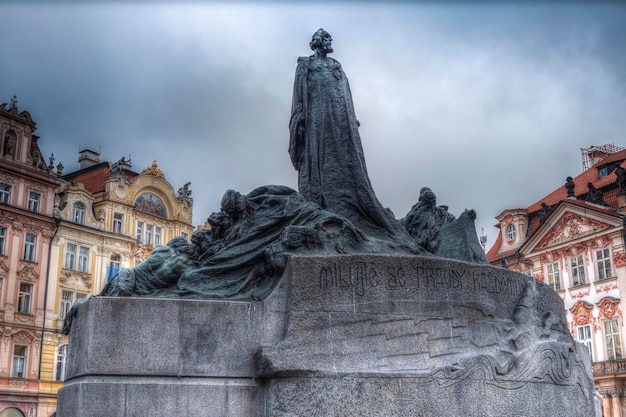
[
  {"x": 11, "y": 412},
  {"x": 79, "y": 213},
  {"x": 61, "y": 363}
]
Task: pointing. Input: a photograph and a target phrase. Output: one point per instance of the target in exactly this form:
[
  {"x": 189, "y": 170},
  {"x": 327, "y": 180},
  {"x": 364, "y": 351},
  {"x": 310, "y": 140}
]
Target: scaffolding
[{"x": 594, "y": 154}]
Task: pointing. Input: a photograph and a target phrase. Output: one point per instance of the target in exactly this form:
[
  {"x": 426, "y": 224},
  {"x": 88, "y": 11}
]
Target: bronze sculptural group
[{"x": 335, "y": 210}]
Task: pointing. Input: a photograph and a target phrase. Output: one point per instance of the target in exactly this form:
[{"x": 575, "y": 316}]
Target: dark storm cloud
[{"x": 488, "y": 104}]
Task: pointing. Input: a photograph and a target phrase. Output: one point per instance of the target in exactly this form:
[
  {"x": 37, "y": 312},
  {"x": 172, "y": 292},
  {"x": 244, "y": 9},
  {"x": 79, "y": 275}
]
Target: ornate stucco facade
[
  {"x": 27, "y": 195},
  {"x": 574, "y": 240},
  {"x": 62, "y": 236},
  {"x": 110, "y": 218}
]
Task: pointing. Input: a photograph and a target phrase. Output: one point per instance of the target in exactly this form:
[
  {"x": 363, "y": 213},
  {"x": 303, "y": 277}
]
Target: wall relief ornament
[
  {"x": 28, "y": 273},
  {"x": 570, "y": 227},
  {"x": 606, "y": 288},
  {"x": 609, "y": 308},
  {"x": 619, "y": 259},
  {"x": 582, "y": 313},
  {"x": 4, "y": 269},
  {"x": 22, "y": 337}
]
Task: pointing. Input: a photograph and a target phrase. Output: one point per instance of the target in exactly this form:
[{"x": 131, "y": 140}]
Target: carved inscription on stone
[{"x": 361, "y": 277}]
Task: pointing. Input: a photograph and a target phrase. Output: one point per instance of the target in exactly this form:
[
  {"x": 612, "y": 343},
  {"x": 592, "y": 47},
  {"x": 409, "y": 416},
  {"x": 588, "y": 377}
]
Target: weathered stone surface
[{"x": 343, "y": 335}]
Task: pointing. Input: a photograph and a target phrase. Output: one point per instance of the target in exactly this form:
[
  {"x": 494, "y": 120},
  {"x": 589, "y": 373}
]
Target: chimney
[{"x": 88, "y": 158}]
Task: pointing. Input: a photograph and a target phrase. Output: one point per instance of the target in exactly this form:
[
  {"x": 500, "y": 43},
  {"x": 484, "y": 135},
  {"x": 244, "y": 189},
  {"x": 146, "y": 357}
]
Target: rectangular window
[
  {"x": 79, "y": 213},
  {"x": 29, "y": 247},
  {"x": 3, "y": 239},
  {"x": 19, "y": 362},
  {"x": 66, "y": 303},
  {"x": 584, "y": 337},
  {"x": 185, "y": 236},
  {"x": 118, "y": 223},
  {"x": 139, "y": 234},
  {"x": 613, "y": 340},
  {"x": 157, "y": 236},
  {"x": 578, "y": 270},
  {"x": 83, "y": 259},
  {"x": 1, "y": 287},
  {"x": 554, "y": 275},
  {"x": 67, "y": 300},
  {"x": 24, "y": 298},
  {"x": 61, "y": 363},
  {"x": 5, "y": 193},
  {"x": 33, "y": 202},
  {"x": 148, "y": 234},
  {"x": 528, "y": 273},
  {"x": 70, "y": 256},
  {"x": 603, "y": 262}
]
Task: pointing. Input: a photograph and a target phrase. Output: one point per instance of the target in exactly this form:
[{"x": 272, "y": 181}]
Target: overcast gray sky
[{"x": 488, "y": 103}]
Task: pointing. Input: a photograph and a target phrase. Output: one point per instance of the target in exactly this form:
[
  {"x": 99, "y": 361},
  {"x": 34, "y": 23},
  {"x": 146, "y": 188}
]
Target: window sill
[{"x": 579, "y": 286}]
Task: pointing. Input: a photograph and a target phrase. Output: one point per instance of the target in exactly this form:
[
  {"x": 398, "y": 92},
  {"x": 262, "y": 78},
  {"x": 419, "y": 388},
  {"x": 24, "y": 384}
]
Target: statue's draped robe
[{"x": 328, "y": 154}]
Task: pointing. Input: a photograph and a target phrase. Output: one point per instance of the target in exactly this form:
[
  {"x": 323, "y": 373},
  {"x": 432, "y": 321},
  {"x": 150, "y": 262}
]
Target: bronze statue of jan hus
[{"x": 325, "y": 145}]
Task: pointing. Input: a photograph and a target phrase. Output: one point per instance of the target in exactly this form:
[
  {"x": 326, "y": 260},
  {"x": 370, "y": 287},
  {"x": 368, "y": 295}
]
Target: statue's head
[
  {"x": 233, "y": 203},
  {"x": 321, "y": 41},
  {"x": 422, "y": 191},
  {"x": 428, "y": 198}
]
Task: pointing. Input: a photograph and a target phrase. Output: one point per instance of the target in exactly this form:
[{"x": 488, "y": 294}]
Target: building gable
[{"x": 567, "y": 223}]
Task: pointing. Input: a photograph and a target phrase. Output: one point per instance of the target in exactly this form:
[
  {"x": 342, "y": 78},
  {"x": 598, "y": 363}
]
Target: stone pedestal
[{"x": 375, "y": 335}]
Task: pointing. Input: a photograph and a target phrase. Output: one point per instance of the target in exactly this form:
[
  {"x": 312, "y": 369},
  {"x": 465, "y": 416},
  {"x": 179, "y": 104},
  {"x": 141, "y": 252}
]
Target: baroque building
[
  {"x": 573, "y": 240},
  {"x": 110, "y": 217},
  {"x": 62, "y": 237},
  {"x": 27, "y": 196}
]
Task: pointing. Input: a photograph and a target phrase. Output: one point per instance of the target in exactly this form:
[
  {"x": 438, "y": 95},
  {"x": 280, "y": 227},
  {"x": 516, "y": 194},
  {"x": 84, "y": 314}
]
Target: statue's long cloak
[{"x": 327, "y": 150}]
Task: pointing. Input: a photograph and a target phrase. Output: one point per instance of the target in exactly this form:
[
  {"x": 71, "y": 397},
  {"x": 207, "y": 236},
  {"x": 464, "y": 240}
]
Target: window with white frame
[
  {"x": 33, "y": 202},
  {"x": 70, "y": 256},
  {"x": 603, "y": 263},
  {"x": 18, "y": 370},
  {"x": 24, "y": 298},
  {"x": 79, "y": 213},
  {"x": 585, "y": 337},
  {"x": 61, "y": 363},
  {"x": 3, "y": 239},
  {"x": 511, "y": 232},
  {"x": 157, "y": 236},
  {"x": 528, "y": 273},
  {"x": 613, "y": 339},
  {"x": 30, "y": 242},
  {"x": 83, "y": 259},
  {"x": 118, "y": 223},
  {"x": 67, "y": 298},
  {"x": 577, "y": 264},
  {"x": 149, "y": 229},
  {"x": 139, "y": 234},
  {"x": 185, "y": 236},
  {"x": 5, "y": 193},
  {"x": 553, "y": 273}
]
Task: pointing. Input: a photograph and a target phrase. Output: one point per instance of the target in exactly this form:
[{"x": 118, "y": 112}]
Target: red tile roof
[{"x": 94, "y": 177}]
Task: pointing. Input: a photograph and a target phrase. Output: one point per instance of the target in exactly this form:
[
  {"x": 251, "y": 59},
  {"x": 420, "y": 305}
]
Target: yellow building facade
[{"x": 109, "y": 217}]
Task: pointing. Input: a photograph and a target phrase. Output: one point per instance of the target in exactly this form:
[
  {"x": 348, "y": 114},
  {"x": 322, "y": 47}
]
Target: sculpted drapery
[{"x": 325, "y": 146}]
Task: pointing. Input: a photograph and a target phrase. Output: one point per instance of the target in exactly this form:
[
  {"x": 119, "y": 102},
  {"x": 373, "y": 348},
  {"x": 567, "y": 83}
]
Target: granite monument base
[{"x": 346, "y": 335}]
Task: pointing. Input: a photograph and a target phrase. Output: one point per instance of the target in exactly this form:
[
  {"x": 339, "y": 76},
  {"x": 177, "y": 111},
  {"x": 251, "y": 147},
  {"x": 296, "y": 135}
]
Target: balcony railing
[{"x": 615, "y": 366}]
